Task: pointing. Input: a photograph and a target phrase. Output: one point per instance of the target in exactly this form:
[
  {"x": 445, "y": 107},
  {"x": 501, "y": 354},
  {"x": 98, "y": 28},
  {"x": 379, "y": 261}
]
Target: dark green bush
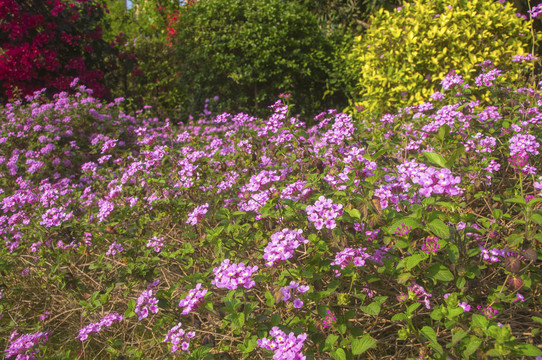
[{"x": 249, "y": 51}]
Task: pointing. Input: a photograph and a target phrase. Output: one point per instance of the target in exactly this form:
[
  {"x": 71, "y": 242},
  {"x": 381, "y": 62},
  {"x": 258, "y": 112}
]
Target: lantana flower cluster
[
  {"x": 193, "y": 300},
  {"x": 177, "y": 336},
  {"x": 421, "y": 294},
  {"x": 284, "y": 346},
  {"x": 92, "y": 328},
  {"x": 199, "y": 212},
  {"x": 294, "y": 289},
  {"x": 24, "y": 347},
  {"x": 435, "y": 181},
  {"x": 231, "y": 276},
  {"x": 323, "y": 213},
  {"x": 146, "y": 302},
  {"x": 492, "y": 255},
  {"x": 156, "y": 243},
  {"x": 283, "y": 245},
  {"x": 350, "y": 256}
]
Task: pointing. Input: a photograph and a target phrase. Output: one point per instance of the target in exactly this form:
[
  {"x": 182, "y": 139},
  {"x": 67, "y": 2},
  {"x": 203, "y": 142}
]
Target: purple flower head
[
  {"x": 199, "y": 212},
  {"x": 285, "y": 347},
  {"x": 294, "y": 289},
  {"x": 91, "y": 328},
  {"x": 24, "y": 347},
  {"x": 156, "y": 243},
  {"x": 329, "y": 320},
  {"x": 324, "y": 212},
  {"x": 350, "y": 256},
  {"x": 193, "y": 300},
  {"x": 282, "y": 246},
  {"x": 418, "y": 292},
  {"x": 430, "y": 246},
  {"x": 231, "y": 276},
  {"x": 536, "y": 11},
  {"x": 145, "y": 303},
  {"x": 179, "y": 339}
]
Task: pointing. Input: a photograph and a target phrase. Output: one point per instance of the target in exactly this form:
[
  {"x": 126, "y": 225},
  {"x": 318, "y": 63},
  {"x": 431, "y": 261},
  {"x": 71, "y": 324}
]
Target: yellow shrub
[{"x": 407, "y": 52}]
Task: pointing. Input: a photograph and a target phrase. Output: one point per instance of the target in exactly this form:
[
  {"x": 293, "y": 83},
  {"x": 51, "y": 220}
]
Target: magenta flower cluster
[
  {"x": 329, "y": 320},
  {"x": 536, "y": 11},
  {"x": 24, "y": 347},
  {"x": 199, "y": 212},
  {"x": 430, "y": 245},
  {"x": 323, "y": 213},
  {"x": 282, "y": 246},
  {"x": 421, "y": 294},
  {"x": 156, "y": 243},
  {"x": 294, "y": 289},
  {"x": 193, "y": 300},
  {"x": 177, "y": 336},
  {"x": 146, "y": 302},
  {"x": 435, "y": 181},
  {"x": 350, "y": 256},
  {"x": 92, "y": 328},
  {"x": 231, "y": 276},
  {"x": 285, "y": 347},
  {"x": 492, "y": 255}
]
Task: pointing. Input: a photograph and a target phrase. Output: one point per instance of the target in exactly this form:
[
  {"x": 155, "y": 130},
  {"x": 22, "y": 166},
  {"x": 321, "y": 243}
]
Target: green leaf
[
  {"x": 269, "y": 299},
  {"x": 413, "y": 260},
  {"x": 354, "y": 213},
  {"x": 440, "y": 272},
  {"x": 517, "y": 200},
  {"x": 436, "y": 159},
  {"x": 372, "y": 309},
  {"x": 460, "y": 150},
  {"x": 399, "y": 317},
  {"x": 359, "y": 346},
  {"x": 439, "y": 229},
  {"x": 479, "y": 321},
  {"x": 430, "y": 334},
  {"x": 473, "y": 345},
  {"x": 457, "y": 337},
  {"x": 131, "y": 307},
  {"x": 529, "y": 350},
  {"x": 339, "y": 354},
  {"x": 330, "y": 342},
  {"x": 537, "y": 218}
]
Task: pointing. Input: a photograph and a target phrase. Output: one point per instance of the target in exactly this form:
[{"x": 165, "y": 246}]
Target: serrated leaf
[
  {"x": 440, "y": 272},
  {"x": 435, "y": 158},
  {"x": 330, "y": 342},
  {"x": 359, "y": 346},
  {"x": 517, "y": 200},
  {"x": 529, "y": 350},
  {"x": 339, "y": 354},
  {"x": 473, "y": 345},
  {"x": 439, "y": 229},
  {"x": 371, "y": 309},
  {"x": 354, "y": 213},
  {"x": 479, "y": 321},
  {"x": 430, "y": 334},
  {"x": 455, "y": 155},
  {"x": 458, "y": 336},
  {"x": 413, "y": 260}
]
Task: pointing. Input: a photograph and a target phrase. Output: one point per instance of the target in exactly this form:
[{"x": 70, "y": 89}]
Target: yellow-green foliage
[{"x": 405, "y": 53}]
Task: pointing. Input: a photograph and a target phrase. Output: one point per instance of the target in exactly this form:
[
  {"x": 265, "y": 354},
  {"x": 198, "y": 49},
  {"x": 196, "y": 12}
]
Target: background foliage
[
  {"x": 255, "y": 49},
  {"x": 405, "y": 53}
]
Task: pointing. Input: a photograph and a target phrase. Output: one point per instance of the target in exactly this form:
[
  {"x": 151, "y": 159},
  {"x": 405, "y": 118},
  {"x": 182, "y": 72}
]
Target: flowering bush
[
  {"x": 422, "y": 213},
  {"x": 49, "y": 43}
]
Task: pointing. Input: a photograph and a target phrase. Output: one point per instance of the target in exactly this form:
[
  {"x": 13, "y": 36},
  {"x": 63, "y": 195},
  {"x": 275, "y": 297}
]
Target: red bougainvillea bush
[
  {"x": 47, "y": 43},
  {"x": 415, "y": 235}
]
